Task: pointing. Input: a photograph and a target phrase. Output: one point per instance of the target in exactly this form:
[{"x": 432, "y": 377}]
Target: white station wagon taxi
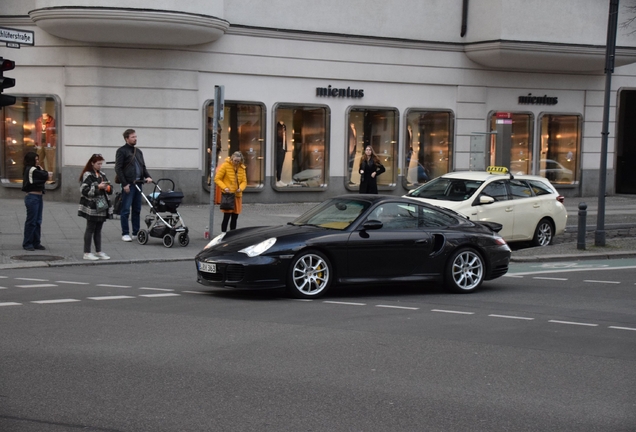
[{"x": 528, "y": 207}]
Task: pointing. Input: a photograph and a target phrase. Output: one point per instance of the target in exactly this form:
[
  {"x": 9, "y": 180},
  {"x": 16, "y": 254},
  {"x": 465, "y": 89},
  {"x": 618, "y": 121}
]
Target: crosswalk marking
[
  {"x": 160, "y": 295},
  {"x": 55, "y": 301},
  {"x": 113, "y": 286},
  {"x": 72, "y": 283},
  {"x": 10, "y": 304},
  {"x": 156, "y": 289},
  {"x": 110, "y": 297},
  {"x": 36, "y": 286}
]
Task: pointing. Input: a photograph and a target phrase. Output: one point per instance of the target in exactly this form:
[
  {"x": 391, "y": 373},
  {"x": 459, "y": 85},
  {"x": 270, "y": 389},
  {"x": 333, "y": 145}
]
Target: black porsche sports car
[{"x": 357, "y": 239}]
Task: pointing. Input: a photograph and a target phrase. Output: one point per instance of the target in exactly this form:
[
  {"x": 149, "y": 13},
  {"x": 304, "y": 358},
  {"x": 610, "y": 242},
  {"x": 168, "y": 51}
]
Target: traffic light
[{"x": 6, "y": 82}]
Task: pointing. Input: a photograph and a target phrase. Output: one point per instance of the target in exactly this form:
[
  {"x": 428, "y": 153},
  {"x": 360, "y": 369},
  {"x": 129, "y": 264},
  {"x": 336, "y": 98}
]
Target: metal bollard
[{"x": 580, "y": 241}]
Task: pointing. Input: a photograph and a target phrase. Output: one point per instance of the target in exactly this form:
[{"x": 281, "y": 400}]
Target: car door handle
[
  {"x": 509, "y": 209},
  {"x": 421, "y": 241},
  {"x": 536, "y": 205}
]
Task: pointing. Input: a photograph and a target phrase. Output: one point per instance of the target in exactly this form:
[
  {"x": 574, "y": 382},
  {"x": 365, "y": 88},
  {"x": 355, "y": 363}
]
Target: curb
[
  {"x": 573, "y": 257},
  {"x": 34, "y": 264}
]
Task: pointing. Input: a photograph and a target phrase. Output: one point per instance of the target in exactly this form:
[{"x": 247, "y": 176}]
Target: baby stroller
[{"x": 164, "y": 220}]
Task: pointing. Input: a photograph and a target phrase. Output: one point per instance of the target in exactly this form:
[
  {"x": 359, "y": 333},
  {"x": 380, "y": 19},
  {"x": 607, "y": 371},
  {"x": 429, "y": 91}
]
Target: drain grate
[{"x": 37, "y": 258}]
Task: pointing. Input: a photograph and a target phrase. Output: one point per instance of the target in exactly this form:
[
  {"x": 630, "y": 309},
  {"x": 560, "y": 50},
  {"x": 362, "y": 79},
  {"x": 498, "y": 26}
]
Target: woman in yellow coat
[{"x": 231, "y": 177}]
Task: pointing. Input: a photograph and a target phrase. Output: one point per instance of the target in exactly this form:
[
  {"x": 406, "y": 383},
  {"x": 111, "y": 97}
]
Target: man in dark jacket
[{"x": 130, "y": 168}]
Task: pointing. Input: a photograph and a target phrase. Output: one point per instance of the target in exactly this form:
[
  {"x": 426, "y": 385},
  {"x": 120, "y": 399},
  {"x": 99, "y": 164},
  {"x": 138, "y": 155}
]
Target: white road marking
[
  {"x": 453, "y": 312},
  {"x": 10, "y": 304},
  {"x": 513, "y": 276},
  {"x": 345, "y": 303},
  {"x": 572, "y": 269},
  {"x": 511, "y": 317},
  {"x": 113, "y": 286},
  {"x": 3, "y": 287},
  {"x": 31, "y": 279},
  {"x": 110, "y": 298},
  {"x": 573, "y": 323},
  {"x": 160, "y": 295},
  {"x": 156, "y": 289},
  {"x": 550, "y": 278},
  {"x": 397, "y": 307},
  {"x": 55, "y": 301},
  {"x": 195, "y": 292},
  {"x": 72, "y": 282},
  {"x": 622, "y": 328},
  {"x": 602, "y": 282},
  {"x": 4, "y": 277},
  {"x": 36, "y": 286}
]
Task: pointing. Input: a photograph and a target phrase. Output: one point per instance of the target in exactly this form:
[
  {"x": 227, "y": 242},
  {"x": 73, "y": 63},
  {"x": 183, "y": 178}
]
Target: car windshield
[
  {"x": 447, "y": 189},
  {"x": 334, "y": 214}
]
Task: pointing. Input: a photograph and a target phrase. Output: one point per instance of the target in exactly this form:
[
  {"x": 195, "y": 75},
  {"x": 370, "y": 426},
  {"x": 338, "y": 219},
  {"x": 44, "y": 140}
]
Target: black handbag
[
  {"x": 117, "y": 204},
  {"x": 228, "y": 201}
]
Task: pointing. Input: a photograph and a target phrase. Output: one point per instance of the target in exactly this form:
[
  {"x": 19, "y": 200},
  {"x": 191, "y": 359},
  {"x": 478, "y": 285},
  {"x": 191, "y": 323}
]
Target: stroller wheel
[
  {"x": 183, "y": 239},
  {"x": 142, "y": 236},
  {"x": 168, "y": 240}
]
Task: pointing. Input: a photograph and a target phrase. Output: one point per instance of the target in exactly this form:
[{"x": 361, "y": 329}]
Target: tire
[
  {"x": 183, "y": 239},
  {"x": 142, "y": 236},
  {"x": 310, "y": 275},
  {"x": 543, "y": 233},
  {"x": 465, "y": 271},
  {"x": 168, "y": 240}
]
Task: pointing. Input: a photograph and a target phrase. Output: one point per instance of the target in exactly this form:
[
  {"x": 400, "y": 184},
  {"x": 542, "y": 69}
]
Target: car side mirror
[
  {"x": 372, "y": 225},
  {"x": 484, "y": 199}
]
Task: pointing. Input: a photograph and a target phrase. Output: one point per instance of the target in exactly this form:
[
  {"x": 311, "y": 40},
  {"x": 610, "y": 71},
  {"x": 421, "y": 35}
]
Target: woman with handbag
[
  {"x": 94, "y": 205},
  {"x": 231, "y": 178}
]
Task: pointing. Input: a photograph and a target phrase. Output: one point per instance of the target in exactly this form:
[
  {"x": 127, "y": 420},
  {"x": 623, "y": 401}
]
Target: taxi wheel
[
  {"x": 310, "y": 275},
  {"x": 543, "y": 234},
  {"x": 465, "y": 271}
]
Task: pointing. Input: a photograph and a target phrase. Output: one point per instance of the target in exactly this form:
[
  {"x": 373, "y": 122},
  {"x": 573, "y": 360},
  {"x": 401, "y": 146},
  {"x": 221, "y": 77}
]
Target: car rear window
[
  {"x": 447, "y": 189},
  {"x": 520, "y": 189},
  {"x": 540, "y": 188}
]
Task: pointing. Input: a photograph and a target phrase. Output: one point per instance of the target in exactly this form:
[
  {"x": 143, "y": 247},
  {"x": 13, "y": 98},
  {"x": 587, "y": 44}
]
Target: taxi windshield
[{"x": 447, "y": 189}]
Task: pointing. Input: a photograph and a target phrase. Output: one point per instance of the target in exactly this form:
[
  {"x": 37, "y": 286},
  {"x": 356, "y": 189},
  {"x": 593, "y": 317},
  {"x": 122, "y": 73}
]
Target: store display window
[
  {"x": 300, "y": 146},
  {"x": 428, "y": 145},
  {"x": 30, "y": 125},
  {"x": 242, "y": 129},
  {"x": 377, "y": 127},
  {"x": 559, "y": 147},
  {"x": 519, "y": 141}
]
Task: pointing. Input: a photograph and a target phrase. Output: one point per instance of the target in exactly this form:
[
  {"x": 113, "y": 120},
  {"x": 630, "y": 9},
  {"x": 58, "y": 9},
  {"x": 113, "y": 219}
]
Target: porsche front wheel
[{"x": 310, "y": 275}]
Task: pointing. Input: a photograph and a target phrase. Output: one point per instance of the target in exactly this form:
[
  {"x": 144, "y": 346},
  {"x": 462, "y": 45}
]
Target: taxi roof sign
[{"x": 497, "y": 170}]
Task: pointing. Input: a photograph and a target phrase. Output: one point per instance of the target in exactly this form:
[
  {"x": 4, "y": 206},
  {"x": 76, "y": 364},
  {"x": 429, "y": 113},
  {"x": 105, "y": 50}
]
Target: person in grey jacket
[{"x": 130, "y": 168}]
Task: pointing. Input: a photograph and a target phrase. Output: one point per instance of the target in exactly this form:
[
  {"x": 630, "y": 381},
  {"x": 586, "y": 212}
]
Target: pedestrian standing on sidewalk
[
  {"x": 33, "y": 180},
  {"x": 370, "y": 169},
  {"x": 130, "y": 168},
  {"x": 231, "y": 177},
  {"x": 94, "y": 205}
]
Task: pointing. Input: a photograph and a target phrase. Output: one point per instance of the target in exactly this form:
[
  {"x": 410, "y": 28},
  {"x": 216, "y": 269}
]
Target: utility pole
[{"x": 218, "y": 112}]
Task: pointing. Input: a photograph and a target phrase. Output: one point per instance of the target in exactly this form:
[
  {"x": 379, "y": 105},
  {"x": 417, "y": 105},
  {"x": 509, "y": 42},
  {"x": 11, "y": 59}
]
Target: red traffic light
[{"x": 7, "y": 64}]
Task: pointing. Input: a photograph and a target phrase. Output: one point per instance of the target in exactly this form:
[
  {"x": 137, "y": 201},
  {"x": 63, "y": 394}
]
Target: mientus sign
[
  {"x": 339, "y": 92},
  {"x": 538, "y": 100}
]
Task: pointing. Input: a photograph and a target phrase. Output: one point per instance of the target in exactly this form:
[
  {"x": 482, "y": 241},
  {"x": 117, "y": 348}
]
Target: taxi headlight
[{"x": 259, "y": 248}]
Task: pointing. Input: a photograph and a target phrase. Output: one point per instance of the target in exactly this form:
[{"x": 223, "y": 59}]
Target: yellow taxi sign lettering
[{"x": 497, "y": 170}]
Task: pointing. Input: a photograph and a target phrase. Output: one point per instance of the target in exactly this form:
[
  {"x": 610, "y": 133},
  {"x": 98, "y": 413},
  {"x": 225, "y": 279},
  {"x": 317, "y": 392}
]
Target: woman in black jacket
[
  {"x": 370, "y": 169},
  {"x": 33, "y": 181},
  {"x": 94, "y": 205}
]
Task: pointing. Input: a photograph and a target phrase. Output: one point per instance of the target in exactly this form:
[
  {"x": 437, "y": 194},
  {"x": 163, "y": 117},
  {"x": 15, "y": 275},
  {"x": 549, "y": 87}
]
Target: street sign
[
  {"x": 13, "y": 45},
  {"x": 23, "y": 37}
]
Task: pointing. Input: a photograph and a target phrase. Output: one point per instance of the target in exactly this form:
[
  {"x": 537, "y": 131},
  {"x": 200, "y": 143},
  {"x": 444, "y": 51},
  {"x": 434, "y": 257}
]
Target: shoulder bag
[{"x": 228, "y": 199}]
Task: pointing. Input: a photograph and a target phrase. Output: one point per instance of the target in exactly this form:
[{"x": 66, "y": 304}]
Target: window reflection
[
  {"x": 30, "y": 125},
  {"x": 300, "y": 148},
  {"x": 378, "y": 128},
  {"x": 242, "y": 129},
  {"x": 560, "y": 137},
  {"x": 520, "y": 142},
  {"x": 428, "y": 146}
]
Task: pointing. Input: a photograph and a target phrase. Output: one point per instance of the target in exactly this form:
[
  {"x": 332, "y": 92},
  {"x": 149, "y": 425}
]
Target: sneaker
[
  {"x": 280, "y": 184},
  {"x": 102, "y": 255},
  {"x": 29, "y": 248},
  {"x": 91, "y": 257},
  {"x": 40, "y": 247},
  {"x": 126, "y": 238}
]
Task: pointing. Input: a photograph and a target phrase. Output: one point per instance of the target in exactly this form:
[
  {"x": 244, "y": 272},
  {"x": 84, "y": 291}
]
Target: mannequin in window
[
  {"x": 353, "y": 142},
  {"x": 281, "y": 150},
  {"x": 45, "y": 141}
]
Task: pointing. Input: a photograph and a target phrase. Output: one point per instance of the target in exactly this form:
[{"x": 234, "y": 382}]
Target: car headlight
[
  {"x": 259, "y": 248},
  {"x": 215, "y": 241}
]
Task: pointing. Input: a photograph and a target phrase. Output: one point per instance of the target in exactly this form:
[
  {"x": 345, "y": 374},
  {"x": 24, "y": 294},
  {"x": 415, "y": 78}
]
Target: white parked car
[{"x": 528, "y": 207}]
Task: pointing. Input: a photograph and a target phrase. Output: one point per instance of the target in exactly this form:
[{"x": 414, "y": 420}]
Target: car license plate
[{"x": 207, "y": 267}]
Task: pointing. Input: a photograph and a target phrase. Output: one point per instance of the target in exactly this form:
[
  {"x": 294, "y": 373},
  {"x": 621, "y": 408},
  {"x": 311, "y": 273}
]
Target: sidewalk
[{"x": 63, "y": 233}]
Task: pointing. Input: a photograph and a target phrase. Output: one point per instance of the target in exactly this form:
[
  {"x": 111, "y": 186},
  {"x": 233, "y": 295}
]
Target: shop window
[
  {"x": 428, "y": 146},
  {"x": 516, "y": 138},
  {"x": 379, "y": 129},
  {"x": 242, "y": 129},
  {"x": 300, "y": 147},
  {"x": 30, "y": 125},
  {"x": 560, "y": 139}
]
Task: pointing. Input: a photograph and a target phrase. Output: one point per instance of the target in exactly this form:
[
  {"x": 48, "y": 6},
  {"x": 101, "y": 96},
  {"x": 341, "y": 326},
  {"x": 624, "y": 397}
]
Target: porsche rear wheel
[
  {"x": 465, "y": 271},
  {"x": 310, "y": 275}
]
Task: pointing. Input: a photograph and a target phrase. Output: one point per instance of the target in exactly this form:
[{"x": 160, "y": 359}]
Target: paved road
[{"x": 144, "y": 348}]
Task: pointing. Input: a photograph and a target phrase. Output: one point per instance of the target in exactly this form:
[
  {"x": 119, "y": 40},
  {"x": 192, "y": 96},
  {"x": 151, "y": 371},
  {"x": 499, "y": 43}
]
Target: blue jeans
[
  {"x": 33, "y": 224},
  {"x": 130, "y": 201}
]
